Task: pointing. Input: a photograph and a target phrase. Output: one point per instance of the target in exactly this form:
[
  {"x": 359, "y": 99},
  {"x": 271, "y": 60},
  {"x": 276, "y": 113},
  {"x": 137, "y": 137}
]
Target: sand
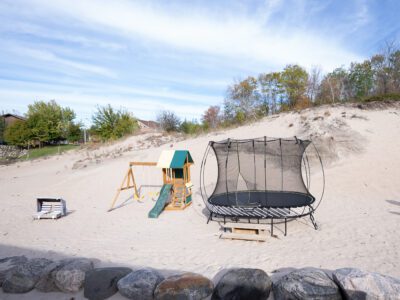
[{"x": 358, "y": 218}]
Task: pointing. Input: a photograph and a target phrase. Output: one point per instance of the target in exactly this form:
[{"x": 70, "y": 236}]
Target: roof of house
[
  {"x": 15, "y": 116},
  {"x": 174, "y": 159},
  {"x": 149, "y": 124}
]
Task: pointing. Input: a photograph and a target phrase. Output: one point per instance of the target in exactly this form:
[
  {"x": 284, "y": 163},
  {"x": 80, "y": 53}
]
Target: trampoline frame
[{"x": 260, "y": 213}]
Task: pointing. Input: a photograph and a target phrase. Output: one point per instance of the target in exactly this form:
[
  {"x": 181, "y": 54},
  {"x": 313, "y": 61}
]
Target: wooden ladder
[{"x": 179, "y": 196}]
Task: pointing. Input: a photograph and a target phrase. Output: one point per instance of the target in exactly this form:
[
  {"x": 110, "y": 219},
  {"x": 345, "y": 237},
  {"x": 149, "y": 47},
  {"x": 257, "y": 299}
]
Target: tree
[
  {"x": 334, "y": 87},
  {"x": 190, "y": 127},
  {"x": 48, "y": 121},
  {"x": 361, "y": 79},
  {"x": 212, "y": 117},
  {"x": 271, "y": 90},
  {"x": 18, "y": 134},
  {"x": 2, "y": 128},
  {"x": 74, "y": 132},
  {"x": 294, "y": 80},
  {"x": 313, "y": 84},
  {"x": 243, "y": 97},
  {"x": 168, "y": 120},
  {"x": 111, "y": 124}
]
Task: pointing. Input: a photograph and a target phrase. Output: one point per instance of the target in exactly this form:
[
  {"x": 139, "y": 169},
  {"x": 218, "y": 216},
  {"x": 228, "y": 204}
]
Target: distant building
[
  {"x": 11, "y": 118},
  {"x": 148, "y": 124}
]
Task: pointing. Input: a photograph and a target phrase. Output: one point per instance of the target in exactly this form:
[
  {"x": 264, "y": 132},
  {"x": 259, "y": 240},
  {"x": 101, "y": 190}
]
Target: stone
[
  {"x": 101, "y": 283},
  {"x": 140, "y": 284},
  {"x": 8, "y": 264},
  {"x": 46, "y": 282},
  {"x": 71, "y": 276},
  {"x": 23, "y": 278},
  {"x": 243, "y": 283},
  {"x": 306, "y": 284},
  {"x": 358, "y": 284},
  {"x": 186, "y": 286}
]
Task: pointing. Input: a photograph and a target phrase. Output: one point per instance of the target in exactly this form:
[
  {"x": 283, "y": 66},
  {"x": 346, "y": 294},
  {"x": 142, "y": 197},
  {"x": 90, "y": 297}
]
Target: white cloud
[
  {"x": 232, "y": 36},
  {"x": 48, "y": 56}
]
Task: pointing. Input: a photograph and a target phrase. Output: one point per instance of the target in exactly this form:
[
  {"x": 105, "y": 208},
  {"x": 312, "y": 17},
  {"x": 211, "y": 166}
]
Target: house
[
  {"x": 11, "y": 118},
  {"x": 148, "y": 124}
]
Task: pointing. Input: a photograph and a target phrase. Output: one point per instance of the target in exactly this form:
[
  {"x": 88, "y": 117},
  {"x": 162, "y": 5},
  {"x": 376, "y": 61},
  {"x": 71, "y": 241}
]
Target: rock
[
  {"x": 306, "y": 284},
  {"x": 24, "y": 277},
  {"x": 139, "y": 284},
  {"x": 357, "y": 284},
  {"x": 71, "y": 276},
  {"x": 8, "y": 264},
  {"x": 243, "y": 284},
  {"x": 46, "y": 282},
  {"x": 186, "y": 286},
  {"x": 102, "y": 283}
]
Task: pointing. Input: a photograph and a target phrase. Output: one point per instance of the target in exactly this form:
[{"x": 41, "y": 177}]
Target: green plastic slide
[{"x": 161, "y": 201}]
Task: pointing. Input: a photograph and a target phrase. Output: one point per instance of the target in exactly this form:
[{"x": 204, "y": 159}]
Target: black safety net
[{"x": 260, "y": 172}]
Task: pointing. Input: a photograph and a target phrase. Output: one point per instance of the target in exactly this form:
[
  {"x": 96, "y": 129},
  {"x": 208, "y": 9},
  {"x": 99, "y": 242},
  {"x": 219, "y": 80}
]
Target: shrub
[
  {"x": 168, "y": 120},
  {"x": 18, "y": 134},
  {"x": 111, "y": 124},
  {"x": 191, "y": 127},
  {"x": 386, "y": 97}
]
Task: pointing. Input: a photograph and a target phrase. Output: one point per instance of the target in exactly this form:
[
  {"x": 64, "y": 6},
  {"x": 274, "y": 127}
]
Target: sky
[{"x": 149, "y": 56}]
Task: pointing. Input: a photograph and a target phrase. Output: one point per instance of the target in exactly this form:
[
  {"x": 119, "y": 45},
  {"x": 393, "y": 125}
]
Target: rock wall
[{"x": 19, "y": 274}]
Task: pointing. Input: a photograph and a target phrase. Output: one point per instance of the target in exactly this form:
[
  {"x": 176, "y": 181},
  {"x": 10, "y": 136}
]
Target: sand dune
[{"x": 358, "y": 217}]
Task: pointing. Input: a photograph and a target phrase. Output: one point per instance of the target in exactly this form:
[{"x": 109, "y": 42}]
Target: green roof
[{"x": 179, "y": 159}]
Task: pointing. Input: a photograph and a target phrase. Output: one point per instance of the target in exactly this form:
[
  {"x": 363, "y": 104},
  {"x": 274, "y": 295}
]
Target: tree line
[
  {"x": 293, "y": 88},
  {"x": 49, "y": 123},
  {"x": 377, "y": 78}
]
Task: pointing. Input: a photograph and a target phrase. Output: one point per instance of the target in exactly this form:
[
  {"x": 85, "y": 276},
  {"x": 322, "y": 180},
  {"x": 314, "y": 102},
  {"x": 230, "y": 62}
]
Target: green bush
[
  {"x": 111, "y": 124},
  {"x": 386, "y": 97},
  {"x": 191, "y": 127},
  {"x": 18, "y": 134}
]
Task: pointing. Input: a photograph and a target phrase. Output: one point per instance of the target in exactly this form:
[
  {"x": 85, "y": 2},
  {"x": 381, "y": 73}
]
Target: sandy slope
[{"x": 359, "y": 217}]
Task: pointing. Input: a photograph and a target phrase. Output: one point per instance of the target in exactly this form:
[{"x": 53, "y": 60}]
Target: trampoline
[{"x": 262, "y": 178}]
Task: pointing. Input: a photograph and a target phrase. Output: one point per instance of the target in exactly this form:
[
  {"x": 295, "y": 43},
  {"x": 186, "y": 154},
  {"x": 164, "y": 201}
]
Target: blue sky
[{"x": 148, "y": 56}]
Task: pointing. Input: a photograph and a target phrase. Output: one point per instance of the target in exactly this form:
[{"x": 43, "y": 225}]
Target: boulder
[
  {"x": 140, "y": 284},
  {"x": 186, "y": 286},
  {"x": 70, "y": 277},
  {"x": 23, "y": 278},
  {"x": 243, "y": 283},
  {"x": 306, "y": 284},
  {"x": 46, "y": 282},
  {"x": 357, "y": 284},
  {"x": 8, "y": 264},
  {"x": 101, "y": 283}
]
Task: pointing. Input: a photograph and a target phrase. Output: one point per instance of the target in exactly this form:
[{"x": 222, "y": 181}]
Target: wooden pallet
[{"x": 245, "y": 231}]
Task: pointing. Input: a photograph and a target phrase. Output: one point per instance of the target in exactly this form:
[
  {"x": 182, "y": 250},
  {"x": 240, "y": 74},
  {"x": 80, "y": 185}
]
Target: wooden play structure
[{"x": 176, "y": 192}]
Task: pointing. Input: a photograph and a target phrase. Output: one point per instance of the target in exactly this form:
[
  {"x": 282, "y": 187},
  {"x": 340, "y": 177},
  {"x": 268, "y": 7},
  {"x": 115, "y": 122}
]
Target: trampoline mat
[{"x": 269, "y": 199}]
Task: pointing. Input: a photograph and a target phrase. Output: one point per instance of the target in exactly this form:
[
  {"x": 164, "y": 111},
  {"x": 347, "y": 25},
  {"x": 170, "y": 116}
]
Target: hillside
[{"x": 358, "y": 217}]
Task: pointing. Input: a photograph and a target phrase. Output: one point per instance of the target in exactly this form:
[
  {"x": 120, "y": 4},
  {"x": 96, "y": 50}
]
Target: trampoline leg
[
  {"x": 285, "y": 226},
  {"x": 209, "y": 217},
  {"x": 224, "y": 220},
  {"x": 272, "y": 226},
  {"x": 313, "y": 221}
]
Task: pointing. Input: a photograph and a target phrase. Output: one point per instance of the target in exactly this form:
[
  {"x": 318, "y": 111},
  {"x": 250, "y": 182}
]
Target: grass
[{"x": 48, "y": 151}]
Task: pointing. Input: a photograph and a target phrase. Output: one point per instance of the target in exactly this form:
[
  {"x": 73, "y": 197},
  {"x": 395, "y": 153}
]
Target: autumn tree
[
  {"x": 334, "y": 87},
  {"x": 211, "y": 116},
  {"x": 243, "y": 101}
]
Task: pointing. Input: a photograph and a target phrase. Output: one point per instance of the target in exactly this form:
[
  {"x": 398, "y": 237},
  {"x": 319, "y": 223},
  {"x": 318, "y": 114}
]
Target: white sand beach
[{"x": 358, "y": 219}]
